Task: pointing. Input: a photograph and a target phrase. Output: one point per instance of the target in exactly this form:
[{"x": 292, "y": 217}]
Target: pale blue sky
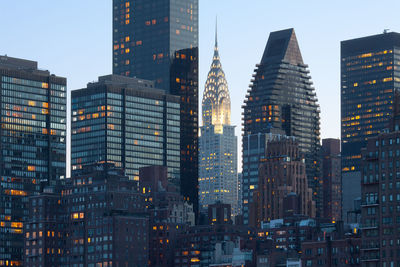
[{"x": 73, "y": 39}]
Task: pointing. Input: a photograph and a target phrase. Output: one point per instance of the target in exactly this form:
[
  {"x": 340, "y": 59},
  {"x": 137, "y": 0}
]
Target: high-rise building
[
  {"x": 217, "y": 143},
  {"x": 282, "y": 183},
  {"x": 128, "y": 122},
  {"x": 32, "y": 144},
  {"x": 96, "y": 218},
  {"x": 368, "y": 81},
  {"x": 380, "y": 194},
  {"x": 158, "y": 40},
  {"x": 332, "y": 179},
  {"x": 280, "y": 97}
]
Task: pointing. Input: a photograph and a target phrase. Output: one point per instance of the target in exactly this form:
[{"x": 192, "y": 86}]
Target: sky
[{"x": 73, "y": 39}]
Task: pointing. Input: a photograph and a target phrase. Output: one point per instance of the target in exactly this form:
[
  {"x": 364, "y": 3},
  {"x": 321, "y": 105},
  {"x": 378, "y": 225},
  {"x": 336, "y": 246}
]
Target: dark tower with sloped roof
[{"x": 281, "y": 98}]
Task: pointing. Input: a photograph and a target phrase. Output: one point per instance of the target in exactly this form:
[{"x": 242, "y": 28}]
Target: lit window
[{"x": 31, "y": 168}]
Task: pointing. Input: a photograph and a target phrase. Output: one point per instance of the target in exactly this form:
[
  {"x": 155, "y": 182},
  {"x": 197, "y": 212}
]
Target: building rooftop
[
  {"x": 370, "y": 43},
  {"x": 17, "y": 63},
  {"x": 12, "y": 63}
]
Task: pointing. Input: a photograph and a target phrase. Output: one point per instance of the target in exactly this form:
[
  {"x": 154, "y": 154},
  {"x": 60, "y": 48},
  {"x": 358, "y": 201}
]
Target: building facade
[
  {"x": 380, "y": 185},
  {"x": 368, "y": 81},
  {"x": 128, "y": 122},
  {"x": 107, "y": 224},
  {"x": 281, "y": 96},
  {"x": 45, "y": 230},
  {"x": 97, "y": 218},
  {"x": 158, "y": 41},
  {"x": 332, "y": 179},
  {"x": 282, "y": 183},
  {"x": 218, "y": 180},
  {"x": 32, "y": 144}
]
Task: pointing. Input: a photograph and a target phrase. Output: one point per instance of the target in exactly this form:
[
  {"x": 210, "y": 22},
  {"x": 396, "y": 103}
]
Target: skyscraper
[
  {"x": 128, "y": 122},
  {"x": 281, "y": 97},
  {"x": 282, "y": 176},
  {"x": 380, "y": 195},
  {"x": 368, "y": 81},
  {"x": 218, "y": 180},
  {"x": 32, "y": 143},
  {"x": 158, "y": 40}
]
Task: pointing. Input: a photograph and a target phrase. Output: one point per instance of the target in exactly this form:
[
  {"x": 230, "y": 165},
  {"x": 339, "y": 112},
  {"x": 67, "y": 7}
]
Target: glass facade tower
[
  {"x": 32, "y": 144},
  {"x": 128, "y": 122},
  {"x": 369, "y": 77},
  {"x": 158, "y": 40},
  {"x": 281, "y": 100}
]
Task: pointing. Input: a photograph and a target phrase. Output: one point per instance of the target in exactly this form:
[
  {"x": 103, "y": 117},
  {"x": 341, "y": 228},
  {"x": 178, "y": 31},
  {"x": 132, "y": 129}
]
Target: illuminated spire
[{"x": 216, "y": 103}]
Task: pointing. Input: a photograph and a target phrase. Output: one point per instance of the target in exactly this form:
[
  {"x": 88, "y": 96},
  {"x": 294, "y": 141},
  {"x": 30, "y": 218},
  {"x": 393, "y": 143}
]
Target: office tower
[
  {"x": 368, "y": 81},
  {"x": 217, "y": 143},
  {"x": 332, "y": 179},
  {"x": 32, "y": 143},
  {"x": 128, "y": 122},
  {"x": 158, "y": 40},
  {"x": 380, "y": 195},
  {"x": 281, "y": 97},
  {"x": 282, "y": 181}
]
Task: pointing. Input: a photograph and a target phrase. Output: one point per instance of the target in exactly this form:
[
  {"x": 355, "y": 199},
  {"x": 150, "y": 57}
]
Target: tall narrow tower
[
  {"x": 281, "y": 97},
  {"x": 217, "y": 143},
  {"x": 158, "y": 40},
  {"x": 32, "y": 143}
]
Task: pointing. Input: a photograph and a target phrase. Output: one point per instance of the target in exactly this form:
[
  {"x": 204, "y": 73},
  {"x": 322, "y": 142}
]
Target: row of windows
[
  {"x": 136, "y": 142},
  {"x": 130, "y": 105},
  {"x": 138, "y": 156},
  {"x": 146, "y": 125},
  {"x": 25, "y": 89},
  {"x": 146, "y": 162},
  {"x": 86, "y": 98},
  {"x": 17, "y": 94},
  {"x": 86, "y": 135},
  {"x": 26, "y": 161},
  {"x": 58, "y": 87},
  {"x": 144, "y": 113},
  {"x": 32, "y": 83}
]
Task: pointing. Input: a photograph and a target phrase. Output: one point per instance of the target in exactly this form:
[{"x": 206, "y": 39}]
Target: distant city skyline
[{"x": 72, "y": 42}]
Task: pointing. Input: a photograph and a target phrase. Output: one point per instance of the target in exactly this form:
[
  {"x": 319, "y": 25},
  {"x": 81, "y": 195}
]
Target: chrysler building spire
[{"x": 216, "y": 102}]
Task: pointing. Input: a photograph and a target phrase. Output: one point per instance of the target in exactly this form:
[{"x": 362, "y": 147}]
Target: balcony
[
  {"x": 370, "y": 247},
  {"x": 370, "y": 180},
  {"x": 371, "y": 157},
  {"x": 370, "y": 259},
  {"x": 370, "y": 203},
  {"x": 369, "y": 226}
]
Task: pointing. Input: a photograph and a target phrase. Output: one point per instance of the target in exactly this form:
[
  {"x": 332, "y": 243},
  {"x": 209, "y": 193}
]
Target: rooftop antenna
[
  {"x": 385, "y": 31},
  {"x": 216, "y": 31}
]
